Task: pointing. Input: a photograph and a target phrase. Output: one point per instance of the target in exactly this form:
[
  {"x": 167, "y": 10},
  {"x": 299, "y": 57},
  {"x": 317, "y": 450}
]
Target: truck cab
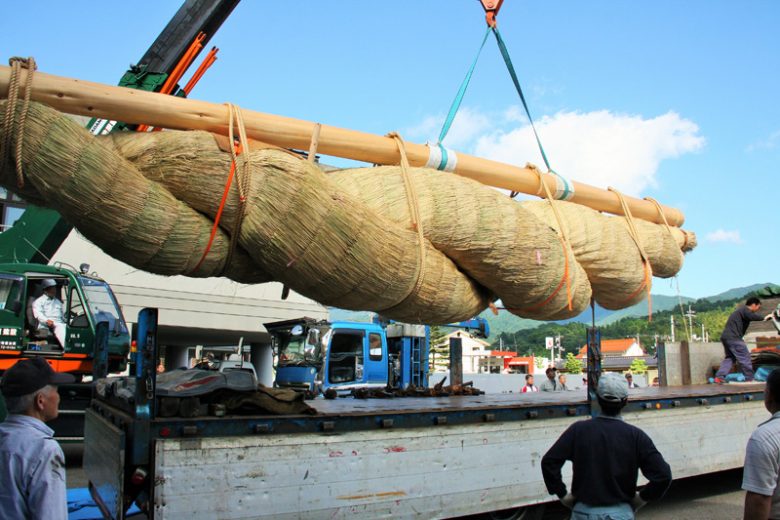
[
  {"x": 314, "y": 356},
  {"x": 86, "y": 301}
]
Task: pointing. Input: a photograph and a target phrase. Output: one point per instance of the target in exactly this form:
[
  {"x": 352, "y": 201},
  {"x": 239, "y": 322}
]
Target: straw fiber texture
[{"x": 344, "y": 239}]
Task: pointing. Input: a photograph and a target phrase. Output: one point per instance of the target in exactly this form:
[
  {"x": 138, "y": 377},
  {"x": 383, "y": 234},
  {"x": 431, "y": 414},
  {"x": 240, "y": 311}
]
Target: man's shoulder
[{"x": 768, "y": 431}]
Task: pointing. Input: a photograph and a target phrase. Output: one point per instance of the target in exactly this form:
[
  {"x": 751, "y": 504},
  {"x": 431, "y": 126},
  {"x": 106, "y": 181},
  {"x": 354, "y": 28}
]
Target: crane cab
[{"x": 86, "y": 301}]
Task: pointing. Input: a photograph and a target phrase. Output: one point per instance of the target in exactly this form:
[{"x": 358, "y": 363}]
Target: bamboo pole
[{"x": 140, "y": 107}]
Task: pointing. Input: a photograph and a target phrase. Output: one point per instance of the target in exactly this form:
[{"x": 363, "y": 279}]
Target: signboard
[{"x": 549, "y": 342}]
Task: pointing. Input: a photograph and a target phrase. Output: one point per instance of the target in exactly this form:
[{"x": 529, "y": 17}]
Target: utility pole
[
  {"x": 672, "y": 328},
  {"x": 690, "y": 314}
]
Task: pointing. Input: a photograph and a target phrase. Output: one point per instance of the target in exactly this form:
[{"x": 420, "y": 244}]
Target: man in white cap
[
  {"x": 606, "y": 454},
  {"x": 32, "y": 465},
  {"x": 47, "y": 309}
]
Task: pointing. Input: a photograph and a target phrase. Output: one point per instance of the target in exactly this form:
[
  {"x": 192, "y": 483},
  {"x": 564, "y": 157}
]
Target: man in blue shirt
[
  {"x": 733, "y": 345},
  {"x": 32, "y": 465},
  {"x": 606, "y": 454}
]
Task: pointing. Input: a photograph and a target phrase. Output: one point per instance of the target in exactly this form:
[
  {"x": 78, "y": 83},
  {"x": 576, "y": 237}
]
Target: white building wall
[{"x": 192, "y": 308}]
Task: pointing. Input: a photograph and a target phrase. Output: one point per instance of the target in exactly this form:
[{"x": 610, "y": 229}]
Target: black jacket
[{"x": 606, "y": 453}]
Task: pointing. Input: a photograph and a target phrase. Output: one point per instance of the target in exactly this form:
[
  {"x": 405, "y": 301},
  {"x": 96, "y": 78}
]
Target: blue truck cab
[{"x": 315, "y": 356}]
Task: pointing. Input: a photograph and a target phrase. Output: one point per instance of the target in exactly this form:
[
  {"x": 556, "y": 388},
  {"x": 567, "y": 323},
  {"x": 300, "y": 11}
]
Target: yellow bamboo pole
[{"x": 140, "y": 107}]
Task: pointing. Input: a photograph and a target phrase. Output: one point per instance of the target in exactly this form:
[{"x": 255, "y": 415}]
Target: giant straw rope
[{"x": 342, "y": 238}]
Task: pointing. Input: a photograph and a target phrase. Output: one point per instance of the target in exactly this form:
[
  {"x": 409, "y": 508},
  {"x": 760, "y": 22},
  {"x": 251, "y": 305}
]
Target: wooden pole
[{"x": 140, "y": 107}]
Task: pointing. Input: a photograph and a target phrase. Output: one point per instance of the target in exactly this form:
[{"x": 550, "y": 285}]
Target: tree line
[{"x": 711, "y": 315}]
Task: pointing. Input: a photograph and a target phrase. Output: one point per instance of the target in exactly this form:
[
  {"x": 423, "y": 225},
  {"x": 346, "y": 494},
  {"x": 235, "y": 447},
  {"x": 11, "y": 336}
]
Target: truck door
[
  {"x": 80, "y": 337},
  {"x": 346, "y": 360},
  {"x": 12, "y": 312},
  {"x": 376, "y": 367}
]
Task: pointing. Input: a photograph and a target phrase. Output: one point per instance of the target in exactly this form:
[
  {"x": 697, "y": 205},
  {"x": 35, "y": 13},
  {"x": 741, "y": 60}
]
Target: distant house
[
  {"x": 520, "y": 364},
  {"x": 616, "y": 347},
  {"x": 476, "y": 353},
  {"x": 617, "y": 355}
]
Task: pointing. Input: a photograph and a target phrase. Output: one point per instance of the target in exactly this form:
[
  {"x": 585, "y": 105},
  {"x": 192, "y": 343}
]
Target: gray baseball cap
[{"x": 612, "y": 387}]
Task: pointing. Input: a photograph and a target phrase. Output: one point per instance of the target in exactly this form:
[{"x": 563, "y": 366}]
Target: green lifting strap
[{"x": 462, "y": 92}]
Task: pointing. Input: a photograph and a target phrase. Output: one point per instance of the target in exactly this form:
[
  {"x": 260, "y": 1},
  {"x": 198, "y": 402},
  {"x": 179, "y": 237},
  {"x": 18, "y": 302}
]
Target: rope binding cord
[
  {"x": 562, "y": 236},
  {"x": 9, "y": 123},
  {"x": 414, "y": 216},
  {"x": 648, "y": 269},
  {"x": 239, "y": 148}
]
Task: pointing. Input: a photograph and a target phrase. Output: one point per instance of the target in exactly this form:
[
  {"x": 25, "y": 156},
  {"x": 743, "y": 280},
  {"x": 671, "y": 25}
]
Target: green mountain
[
  {"x": 742, "y": 291},
  {"x": 507, "y": 322}
]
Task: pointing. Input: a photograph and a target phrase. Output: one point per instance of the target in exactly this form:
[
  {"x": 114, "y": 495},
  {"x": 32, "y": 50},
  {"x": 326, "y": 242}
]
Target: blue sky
[{"x": 672, "y": 100}]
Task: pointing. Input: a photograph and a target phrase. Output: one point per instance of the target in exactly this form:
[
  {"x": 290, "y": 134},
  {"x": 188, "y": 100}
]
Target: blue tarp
[{"x": 82, "y": 507}]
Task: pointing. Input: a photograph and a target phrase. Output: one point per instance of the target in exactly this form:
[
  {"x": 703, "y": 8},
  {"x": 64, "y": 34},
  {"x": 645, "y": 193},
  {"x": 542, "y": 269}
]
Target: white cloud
[
  {"x": 467, "y": 126},
  {"x": 722, "y": 235},
  {"x": 767, "y": 144},
  {"x": 600, "y": 148}
]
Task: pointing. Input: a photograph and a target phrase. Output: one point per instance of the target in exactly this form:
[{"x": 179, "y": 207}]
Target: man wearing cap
[
  {"x": 47, "y": 309},
  {"x": 606, "y": 455},
  {"x": 549, "y": 384},
  {"x": 32, "y": 465}
]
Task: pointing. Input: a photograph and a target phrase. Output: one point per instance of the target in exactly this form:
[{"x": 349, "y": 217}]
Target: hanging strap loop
[
  {"x": 414, "y": 217},
  {"x": 648, "y": 269},
  {"x": 562, "y": 234},
  {"x": 11, "y": 126}
]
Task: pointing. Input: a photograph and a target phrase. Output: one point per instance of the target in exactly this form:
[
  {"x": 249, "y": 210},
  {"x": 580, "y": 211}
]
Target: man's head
[
  {"x": 550, "y": 372},
  {"x": 753, "y": 304},
  {"x": 562, "y": 378},
  {"x": 612, "y": 393},
  {"x": 30, "y": 388},
  {"x": 529, "y": 379},
  {"x": 49, "y": 287},
  {"x": 629, "y": 377},
  {"x": 772, "y": 391}
]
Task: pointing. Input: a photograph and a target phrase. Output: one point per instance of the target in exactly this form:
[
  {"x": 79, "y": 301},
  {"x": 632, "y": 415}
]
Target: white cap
[
  {"x": 612, "y": 387},
  {"x": 48, "y": 282}
]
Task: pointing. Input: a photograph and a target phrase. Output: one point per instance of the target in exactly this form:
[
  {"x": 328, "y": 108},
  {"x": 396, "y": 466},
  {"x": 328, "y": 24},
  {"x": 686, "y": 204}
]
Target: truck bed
[
  {"x": 349, "y": 414},
  {"x": 401, "y": 457}
]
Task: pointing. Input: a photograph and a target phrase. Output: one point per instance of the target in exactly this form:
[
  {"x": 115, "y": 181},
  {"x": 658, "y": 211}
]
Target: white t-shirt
[{"x": 762, "y": 463}]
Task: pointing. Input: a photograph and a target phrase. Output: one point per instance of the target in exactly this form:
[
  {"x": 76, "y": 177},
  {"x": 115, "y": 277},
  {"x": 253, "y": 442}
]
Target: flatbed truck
[{"x": 401, "y": 458}]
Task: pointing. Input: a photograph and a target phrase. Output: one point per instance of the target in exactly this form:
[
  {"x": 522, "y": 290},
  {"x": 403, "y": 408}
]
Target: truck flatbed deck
[{"x": 350, "y": 414}]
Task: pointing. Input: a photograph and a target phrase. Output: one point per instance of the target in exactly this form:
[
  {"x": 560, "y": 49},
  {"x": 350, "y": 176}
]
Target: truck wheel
[{"x": 535, "y": 512}]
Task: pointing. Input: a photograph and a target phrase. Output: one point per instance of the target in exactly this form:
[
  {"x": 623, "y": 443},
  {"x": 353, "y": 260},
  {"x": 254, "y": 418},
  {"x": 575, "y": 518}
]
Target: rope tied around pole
[
  {"x": 634, "y": 233},
  {"x": 17, "y": 64},
  {"x": 562, "y": 233},
  {"x": 236, "y": 120},
  {"x": 414, "y": 216}
]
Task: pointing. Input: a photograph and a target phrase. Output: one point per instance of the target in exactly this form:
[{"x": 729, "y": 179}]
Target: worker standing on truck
[
  {"x": 762, "y": 459},
  {"x": 32, "y": 465},
  {"x": 47, "y": 309},
  {"x": 733, "y": 344},
  {"x": 606, "y": 454}
]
